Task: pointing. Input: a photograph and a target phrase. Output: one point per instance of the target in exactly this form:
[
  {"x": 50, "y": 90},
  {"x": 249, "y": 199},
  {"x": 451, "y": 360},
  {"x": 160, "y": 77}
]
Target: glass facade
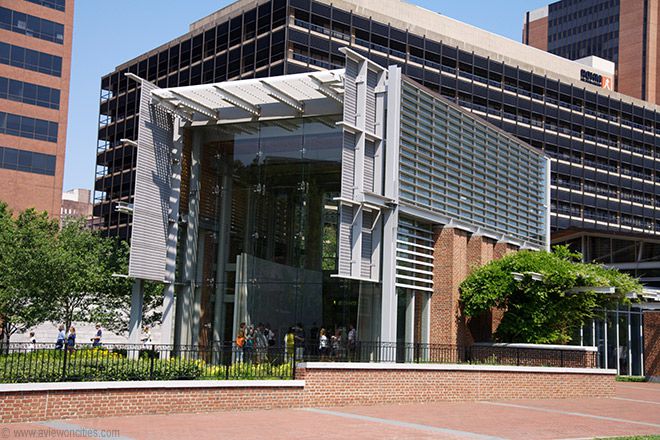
[
  {"x": 268, "y": 230},
  {"x": 618, "y": 334},
  {"x": 577, "y": 29},
  {"x": 31, "y": 128},
  {"x": 31, "y": 26},
  {"x": 29, "y": 93},
  {"x": 58, "y": 5},
  {"x": 23, "y": 58},
  {"x": 28, "y": 161}
]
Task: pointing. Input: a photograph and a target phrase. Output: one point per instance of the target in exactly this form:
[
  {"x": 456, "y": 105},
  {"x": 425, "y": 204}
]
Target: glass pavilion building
[
  {"x": 327, "y": 199},
  {"x": 603, "y": 144}
]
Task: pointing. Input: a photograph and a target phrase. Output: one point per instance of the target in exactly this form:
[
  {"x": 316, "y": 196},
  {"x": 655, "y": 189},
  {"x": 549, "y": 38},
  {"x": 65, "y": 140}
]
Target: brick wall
[
  {"x": 338, "y": 387},
  {"x": 456, "y": 253},
  {"x": 651, "y": 333},
  {"x": 331, "y": 385},
  {"x": 449, "y": 269},
  {"x": 49, "y": 405}
]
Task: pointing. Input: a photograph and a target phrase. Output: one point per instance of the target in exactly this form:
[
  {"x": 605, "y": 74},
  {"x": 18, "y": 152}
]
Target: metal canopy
[{"x": 306, "y": 94}]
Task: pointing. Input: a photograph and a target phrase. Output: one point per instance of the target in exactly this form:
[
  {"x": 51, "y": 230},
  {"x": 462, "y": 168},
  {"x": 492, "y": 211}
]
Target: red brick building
[
  {"x": 622, "y": 31},
  {"x": 35, "y": 68}
]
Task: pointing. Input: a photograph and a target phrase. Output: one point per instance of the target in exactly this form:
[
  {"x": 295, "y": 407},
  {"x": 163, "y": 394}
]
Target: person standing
[
  {"x": 33, "y": 342},
  {"x": 146, "y": 336},
  {"x": 61, "y": 337},
  {"x": 323, "y": 345},
  {"x": 96, "y": 340},
  {"x": 352, "y": 342},
  {"x": 240, "y": 343},
  {"x": 289, "y": 345},
  {"x": 261, "y": 343},
  {"x": 300, "y": 341},
  {"x": 248, "y": 349},
  {"x": 71, "y": 340}
]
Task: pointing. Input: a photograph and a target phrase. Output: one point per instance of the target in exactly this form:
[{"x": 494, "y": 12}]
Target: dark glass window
[
  {"x": 26, "y": 127},
  {"x": 30, "y": 59},
  {"x": 31, "y": 26},
  {"x": 28, "y": 161},
  {"x": 58, "y": 5},
  {"x": 29, "y": 93}
]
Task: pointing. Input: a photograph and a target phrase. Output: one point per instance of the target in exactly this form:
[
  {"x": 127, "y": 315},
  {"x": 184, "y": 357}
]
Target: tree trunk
[{"x": 4, "y": 337}]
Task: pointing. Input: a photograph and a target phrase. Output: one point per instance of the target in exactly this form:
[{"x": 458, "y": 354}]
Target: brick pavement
[{"x": 634, "y": 410}]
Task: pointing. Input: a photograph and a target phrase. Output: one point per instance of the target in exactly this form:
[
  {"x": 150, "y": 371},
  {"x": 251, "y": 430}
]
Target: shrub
[{"x": 89, "y": 364}]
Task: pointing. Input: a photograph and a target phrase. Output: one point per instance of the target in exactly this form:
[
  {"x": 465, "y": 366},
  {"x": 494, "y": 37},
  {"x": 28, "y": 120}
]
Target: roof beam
[
  {"x": 196, "y": 105},
  {"x": 254, "y": 110},
  {"x": 283, "y": 97},
  {"x": 325, "y": 89}
]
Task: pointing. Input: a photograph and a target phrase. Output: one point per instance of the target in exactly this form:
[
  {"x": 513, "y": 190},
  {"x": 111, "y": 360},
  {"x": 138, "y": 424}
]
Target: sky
[{"x": 108, "y": 33}]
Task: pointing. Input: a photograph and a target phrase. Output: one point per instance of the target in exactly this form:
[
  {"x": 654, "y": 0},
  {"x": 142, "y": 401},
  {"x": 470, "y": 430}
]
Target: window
[
  {"x": 30, "y": 59},
  {"x": 31, "y": 26},
  {"x": 26, "y": 127},
  {"x": 29, "y": 93},
  {"x": 28, "y": 161},
  {"x": 58, "y": 5}
]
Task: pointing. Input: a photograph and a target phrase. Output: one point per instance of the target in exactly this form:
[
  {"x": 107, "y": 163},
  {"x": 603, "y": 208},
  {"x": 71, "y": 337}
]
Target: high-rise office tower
[
  {"x": 624, "y": 32},
  {"x": 35, "y": 61}
]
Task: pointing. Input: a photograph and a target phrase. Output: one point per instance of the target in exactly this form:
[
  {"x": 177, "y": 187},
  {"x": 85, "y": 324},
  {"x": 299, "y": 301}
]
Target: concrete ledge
[
  {"x": 152, "y": 384},
  {"x": 449, "y": 367},
  {"x": 587, "y": 348}
]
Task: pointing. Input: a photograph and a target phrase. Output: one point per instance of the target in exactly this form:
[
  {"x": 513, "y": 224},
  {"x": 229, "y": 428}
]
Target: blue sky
[{"x": 108, "y": 33}]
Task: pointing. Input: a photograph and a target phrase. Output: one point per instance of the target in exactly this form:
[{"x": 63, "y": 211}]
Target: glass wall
[
  {"x": 268, "y": 232},
  {"x": 618, "y": 336}
]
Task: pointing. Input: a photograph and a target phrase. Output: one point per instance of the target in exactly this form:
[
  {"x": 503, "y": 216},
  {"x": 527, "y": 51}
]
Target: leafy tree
[
  {"x": 63, "y": 275},
  {"x": 81, "y": 286},
  {"x": 24, "y": 252},
  {"x": 547, "y": 310}
]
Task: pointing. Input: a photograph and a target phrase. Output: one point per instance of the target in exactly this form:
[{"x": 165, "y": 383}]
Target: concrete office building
[
  {"x": 35, "y": 60},
  {"x": 623, "y": 32},
  {"x": 335, "y": 198}
]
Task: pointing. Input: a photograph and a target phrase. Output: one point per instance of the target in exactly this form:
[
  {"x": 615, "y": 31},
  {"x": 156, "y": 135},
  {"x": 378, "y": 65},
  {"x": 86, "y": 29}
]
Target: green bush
[
  {"x": 103, "y": 365},
  {"x": 631, "y": 379}
]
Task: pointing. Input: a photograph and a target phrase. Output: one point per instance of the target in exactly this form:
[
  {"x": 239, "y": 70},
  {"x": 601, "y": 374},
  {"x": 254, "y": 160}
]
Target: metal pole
[
  {"x": 618, "y": 343},
  {"x": 605, "y": 340},
  {"x": 630, "y": 372}
]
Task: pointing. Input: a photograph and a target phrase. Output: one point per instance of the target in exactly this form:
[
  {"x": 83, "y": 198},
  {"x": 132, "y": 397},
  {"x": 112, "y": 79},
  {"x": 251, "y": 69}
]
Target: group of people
[
  {"x": 68, "y": 340},
  {"x": 256, "y": 343}
]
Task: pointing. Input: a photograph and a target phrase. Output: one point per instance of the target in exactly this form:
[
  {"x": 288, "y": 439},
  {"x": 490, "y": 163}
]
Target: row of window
[
  {"x": 30, "y": 59},
  {"x": 58, "y": 5},
  {"x": 28, "y": 161},
  {"x": 27, "y": 127},
  {"x": 31, "y": 26},
  {"x": 29, "y": 93},
  {"x": 603, "y": 215},
  {"x": 568, "y": 10}
]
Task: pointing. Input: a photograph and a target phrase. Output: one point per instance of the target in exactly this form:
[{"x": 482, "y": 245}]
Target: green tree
[
  {"x": 81, "y": 286},
  {"x": 545, "y": 310},
  {"x": 63, "y": 275},
  {"x": 25, "y": 243}
]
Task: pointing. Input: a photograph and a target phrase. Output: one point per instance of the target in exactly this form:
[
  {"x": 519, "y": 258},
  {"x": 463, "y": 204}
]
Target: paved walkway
[{"x": 635, "y": 410}]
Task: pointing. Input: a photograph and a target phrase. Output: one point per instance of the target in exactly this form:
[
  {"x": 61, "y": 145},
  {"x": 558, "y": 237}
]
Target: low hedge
[{"x": 104, "y": 365}]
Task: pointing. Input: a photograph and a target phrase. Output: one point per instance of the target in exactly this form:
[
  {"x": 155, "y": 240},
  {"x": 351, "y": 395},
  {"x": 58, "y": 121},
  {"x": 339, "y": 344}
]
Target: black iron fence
[
  {"x": 24, "y": 362},
  {"x": 126, "y": 362}
]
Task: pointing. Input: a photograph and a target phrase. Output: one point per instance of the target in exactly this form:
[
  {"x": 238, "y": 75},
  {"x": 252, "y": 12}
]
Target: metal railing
[{"x": 24, "y": 362}]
